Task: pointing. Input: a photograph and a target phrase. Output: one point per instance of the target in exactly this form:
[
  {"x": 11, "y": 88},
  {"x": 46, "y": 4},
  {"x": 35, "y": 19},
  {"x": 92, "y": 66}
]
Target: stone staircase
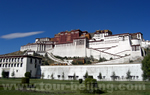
[{"x": 51, "y": 56}]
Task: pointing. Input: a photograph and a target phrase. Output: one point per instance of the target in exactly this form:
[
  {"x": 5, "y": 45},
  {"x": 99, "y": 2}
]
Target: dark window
[
  {"x": 39, "y": 61},
  {"x": 0, "y": 65},
  {"x": 5, "y": 65},
  {"x": 35, "y": 65},
  {"x": 30, "y": 60},
  {"x": 11, "y": 65},
  {"x": 21, "y": 65},
  {"x": 0, "y": 60},
  {"x": 135, "y": 48},
  {"x": 18, "y": 65},
  {"x": 15, "y": 65},
  {"x": 16, "y": 70},
  {"x": 35, "y": 61}
]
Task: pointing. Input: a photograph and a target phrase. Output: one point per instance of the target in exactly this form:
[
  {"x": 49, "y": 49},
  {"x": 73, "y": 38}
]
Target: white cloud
[{"x": 20, "y": 35}]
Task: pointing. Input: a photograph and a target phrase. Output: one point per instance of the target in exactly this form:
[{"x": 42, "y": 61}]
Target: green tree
[
  {"x": 92, "y": 58},
  {"x": 74, "y": 76},
  {"x": 46, "y": 62},
  {"x": 46, "y": 56},
  {"x": 128, "y": 74},
  {"x": 63, "y": 75},
  {"x": 52, "y": 76},
  {"x": 102, "y": 59},
  {"x": 86, "y": 74},
  {"x": 13, "y": 74},
  {"x": 113, "y": 76},
  {"x": 146, "y": 67},
  {"x": 100, "y": 76},
  {"x": 42, "y": 75},
  {"x": 27, "y": 74},
  {"x": 3, "y": 74}
]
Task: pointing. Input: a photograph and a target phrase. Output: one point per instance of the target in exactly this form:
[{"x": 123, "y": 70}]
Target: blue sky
[{"x": 45, "y": 18}]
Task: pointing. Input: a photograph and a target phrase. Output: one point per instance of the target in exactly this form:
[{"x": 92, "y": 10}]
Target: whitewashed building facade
[
  {"x": 19, "y": 65},
  {"x": 102, "y": 43},
  {"x": 118, "y": 49}
]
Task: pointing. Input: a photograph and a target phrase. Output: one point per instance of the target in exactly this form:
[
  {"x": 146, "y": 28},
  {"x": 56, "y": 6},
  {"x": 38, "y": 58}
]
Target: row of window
[
  {"x": 112, "y": 37},
  {"x": 12, "y": 60},
  {"x": 64, "y": 45},
  {"x": 135, "y": 48},
  {"x": 11, "y": 65},
  {"x": 99, "y": 35}
]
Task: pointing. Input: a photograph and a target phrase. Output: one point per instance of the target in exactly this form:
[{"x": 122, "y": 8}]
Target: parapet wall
[
  {"x": 69, "y": 50},
  {"x": 94, "y": 70}
]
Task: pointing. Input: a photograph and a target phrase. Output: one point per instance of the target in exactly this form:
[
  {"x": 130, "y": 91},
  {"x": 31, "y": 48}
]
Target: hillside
[{"x": 15, "y": 53}]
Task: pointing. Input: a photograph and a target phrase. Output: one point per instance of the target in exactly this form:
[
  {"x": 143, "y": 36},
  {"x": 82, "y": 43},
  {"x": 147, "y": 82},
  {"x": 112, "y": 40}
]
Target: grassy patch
[{"x": 68, "y": 87}]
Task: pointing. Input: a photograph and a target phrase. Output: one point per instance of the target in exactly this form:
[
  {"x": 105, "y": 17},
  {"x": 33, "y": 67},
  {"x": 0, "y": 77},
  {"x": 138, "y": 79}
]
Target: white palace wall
[
  {"x": 29, "y": 47},
  {"x": 94, "y": 70},
  {"x": 75, "y": 49},
  {"x": 109, "y": 49},
  {"x": 69, "y": 50}
]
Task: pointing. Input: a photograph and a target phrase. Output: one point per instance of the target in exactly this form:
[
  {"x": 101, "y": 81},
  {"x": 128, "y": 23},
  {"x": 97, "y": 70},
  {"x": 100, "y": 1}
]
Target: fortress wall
[
  {"x": 106, "y": 70},
  {"x": 47, "y": 47},
  {"x": 135, "y": 54},
  {"x": 69, "y": 50},
  {"x": 123, "y": 48},
  {"x": 29, "y": 47},
  {"x": 120, "y": 48},
  {"x": 102, "y": 44},
  {"x": 97, "y": 54},
  {"x": 125, "y": 59}
]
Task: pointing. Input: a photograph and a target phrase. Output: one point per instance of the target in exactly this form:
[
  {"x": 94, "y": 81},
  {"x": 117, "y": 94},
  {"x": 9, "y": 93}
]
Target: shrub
[
  {"x": 113, "y": 76},
  {"x": 80, "y": 81},
  {"x": 42, "y": 75},
  {"x": 88, "y": 62},
  {"x": 100, "y": 76},
  {"x": 87, "y": 83},
  {"x": 131, "y": 61},
  {"x": 79, "y": 62},
  {"x": 86, "y": 75},
  {"x": 52, "y": 76},
  {"x": 90, "y": 77},
  {"x": 111, "y": 58},
  {"x": 63, "y": 75},
  {"x": 74, "y": 63},
  {"x": 128, "y": 74},
  {"x": 94, "y": 82},
  {"x": 102, "y": 59},
  {"x": 25, "y": 80},
  {"x": 74, "y": 76},
  {"x": 91, "y": 86},
  {"x": 3, "y": 74},
  {"x": 27, "y": 74}
]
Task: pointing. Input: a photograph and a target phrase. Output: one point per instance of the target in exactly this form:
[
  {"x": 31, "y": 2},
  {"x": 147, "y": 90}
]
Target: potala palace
[{"x": 118, "y": 49}]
